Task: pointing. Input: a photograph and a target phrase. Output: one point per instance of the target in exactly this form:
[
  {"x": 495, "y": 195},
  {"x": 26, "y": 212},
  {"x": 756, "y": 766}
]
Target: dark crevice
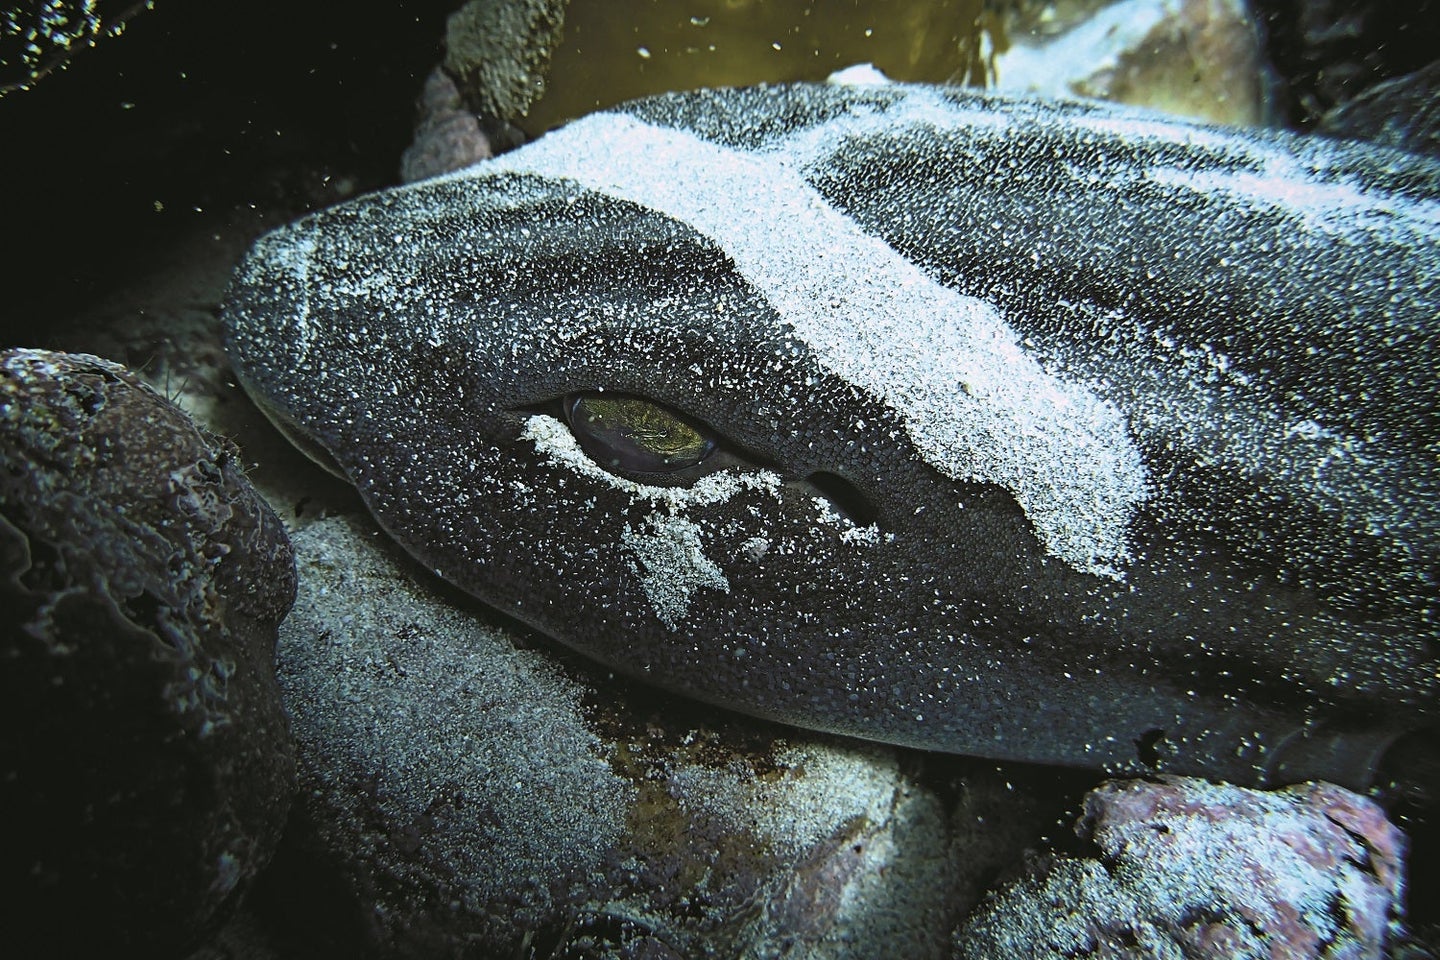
[
  {"x": 1147, "y": 747},
  {"x": 844, "y": 498},
  {"x": 1342, "y": 919}
]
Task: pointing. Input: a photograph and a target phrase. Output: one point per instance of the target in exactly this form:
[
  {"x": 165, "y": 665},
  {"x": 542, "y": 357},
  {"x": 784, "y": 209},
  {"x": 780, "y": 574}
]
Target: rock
[
  {"x": 146, "y": 767},
  {"x": 474, "y": 791},
  {"x": 1188, "y": 869},
  {"x": 499, "y": 52},
  {"x": 1195, "y": 58},
  {"x": 39, "y": 38},
  {"x": 447, "y": 135}
]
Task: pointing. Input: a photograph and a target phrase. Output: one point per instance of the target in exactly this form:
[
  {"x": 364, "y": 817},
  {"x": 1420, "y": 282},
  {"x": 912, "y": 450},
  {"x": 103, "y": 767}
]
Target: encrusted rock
[
  {"x": 145, "y": 767},
  {"x": 1200, "y": 871}
]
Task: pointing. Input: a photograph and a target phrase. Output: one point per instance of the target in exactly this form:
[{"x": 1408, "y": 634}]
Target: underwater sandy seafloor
[{"x": 134, "y": 179}]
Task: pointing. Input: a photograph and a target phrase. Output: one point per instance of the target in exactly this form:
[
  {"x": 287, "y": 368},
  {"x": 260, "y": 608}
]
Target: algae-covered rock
[{"x": 145, "y": 767}]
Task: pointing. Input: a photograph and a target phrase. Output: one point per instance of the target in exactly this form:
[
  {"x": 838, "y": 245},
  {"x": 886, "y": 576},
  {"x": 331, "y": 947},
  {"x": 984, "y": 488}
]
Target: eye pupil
[{"x": 633, "y": 434}]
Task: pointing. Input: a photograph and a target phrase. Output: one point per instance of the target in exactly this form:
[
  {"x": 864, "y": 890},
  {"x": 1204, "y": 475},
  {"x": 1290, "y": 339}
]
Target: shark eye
[{"x": 634, "y": 435}]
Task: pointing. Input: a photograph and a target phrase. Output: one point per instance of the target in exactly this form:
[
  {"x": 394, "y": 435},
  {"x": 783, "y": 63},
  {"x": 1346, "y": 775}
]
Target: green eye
[{"x": 635, "y": 435}]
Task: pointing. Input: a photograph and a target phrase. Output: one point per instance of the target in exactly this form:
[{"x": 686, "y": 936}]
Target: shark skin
[{"x": 1046, "y": 431}]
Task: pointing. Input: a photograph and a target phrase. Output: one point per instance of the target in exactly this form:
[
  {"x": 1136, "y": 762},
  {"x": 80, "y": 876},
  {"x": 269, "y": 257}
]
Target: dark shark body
[{"x": 1055, "y": 432}]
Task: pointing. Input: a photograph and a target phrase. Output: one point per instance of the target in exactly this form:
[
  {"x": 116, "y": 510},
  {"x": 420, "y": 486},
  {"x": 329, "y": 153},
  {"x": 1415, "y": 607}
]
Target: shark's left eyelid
[{"x": 635, "y": 435}]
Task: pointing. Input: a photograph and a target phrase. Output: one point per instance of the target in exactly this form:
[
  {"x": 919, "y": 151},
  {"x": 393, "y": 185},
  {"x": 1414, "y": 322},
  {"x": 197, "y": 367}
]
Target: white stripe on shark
[{"x": 976, "y": 404}]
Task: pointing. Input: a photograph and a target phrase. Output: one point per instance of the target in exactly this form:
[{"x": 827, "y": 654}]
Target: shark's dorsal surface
[{"x": 1043, "y": 431}]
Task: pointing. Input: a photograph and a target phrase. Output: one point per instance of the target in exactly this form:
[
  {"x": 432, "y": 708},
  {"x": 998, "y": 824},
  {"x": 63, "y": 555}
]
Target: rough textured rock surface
[
  {"x": 471, "y": 790},
  {"x": 145, "y": 768},
  {"x": 498, "y": 51},
  {"x": 1188, "y": 869}
]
